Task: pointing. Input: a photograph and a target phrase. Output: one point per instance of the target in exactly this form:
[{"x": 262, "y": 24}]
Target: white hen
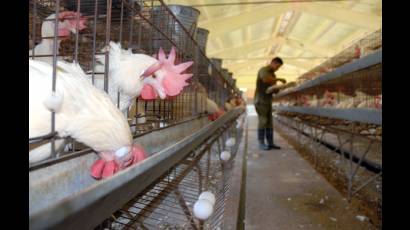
[
  {"x": 124, "y": 76},
  {"x": 85, "y": 114},
  {"x": 67, "y": 23}
]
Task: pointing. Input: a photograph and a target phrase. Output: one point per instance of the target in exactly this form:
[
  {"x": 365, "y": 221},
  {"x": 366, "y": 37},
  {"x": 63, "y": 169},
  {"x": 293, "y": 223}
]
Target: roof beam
[
  {"x": 303, "y": 65},
  {"x": 310, "y": 46},
  {"x": 275, "y": 31},
  {"x": 223, "y": 25},
  {"x": 289, "y": 25},
  {"x": 348, "y": 16},
  {"x": 348, "y": 41},
  {"x": 255, "y": 45},
  {"x": 245, "y": 64},
  {"x": 320, "y": 30},
  {"x": 204, "y": 10},
  {"x": 245, "y": 48}
]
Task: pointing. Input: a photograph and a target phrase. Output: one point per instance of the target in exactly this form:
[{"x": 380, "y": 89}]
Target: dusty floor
[{"x": 283, "y": 192}]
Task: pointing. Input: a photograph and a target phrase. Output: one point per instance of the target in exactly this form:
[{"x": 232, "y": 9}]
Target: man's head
[{"x": 276, "y": 63}]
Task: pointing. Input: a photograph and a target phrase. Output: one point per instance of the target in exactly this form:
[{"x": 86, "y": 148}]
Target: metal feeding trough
[
  {"x": 204, "y": 68},
  {"x": 64, "y": 196},
  {"x": 225, "y": 74},
  {"x": 230, "y": 77},
  {"x": 87, "y": 7},
  {"x": 217, "y": 62},
  {"x": 202, "y": 38},
  {"x": 188, "y": 18}
]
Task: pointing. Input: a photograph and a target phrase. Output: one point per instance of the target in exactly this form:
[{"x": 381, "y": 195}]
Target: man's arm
[
  {"x": 273, "y": 80},
  {"x": 269, "y": 80},
  {"x": 267, "y": 77},
  {"x": 281, "y": 80}
]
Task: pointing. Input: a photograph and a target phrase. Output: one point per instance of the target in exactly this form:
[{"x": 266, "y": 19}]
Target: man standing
[{"x": 263, "y": 103}]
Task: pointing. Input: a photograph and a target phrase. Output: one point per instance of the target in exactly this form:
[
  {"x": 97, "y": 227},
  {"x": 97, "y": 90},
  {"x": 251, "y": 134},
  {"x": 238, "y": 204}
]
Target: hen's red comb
[
  {"x": 71, "y": 16},
  {"x": 174, "y": 81}
]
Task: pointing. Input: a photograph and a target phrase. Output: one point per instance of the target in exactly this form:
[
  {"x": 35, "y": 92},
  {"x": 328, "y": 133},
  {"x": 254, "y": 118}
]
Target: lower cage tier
[{"x": 159, "y": 193}]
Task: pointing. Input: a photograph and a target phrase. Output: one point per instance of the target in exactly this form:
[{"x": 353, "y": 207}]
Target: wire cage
[
  {"x": 354, "y": 85},
  {"x": 202, "y": 38},
  {"x": 140, "y": 26},
  {"x": 358, "y": 49},
  {"x": 334, "y": 118},
  {"x": 347, "y": 153},
  {"x": 358, "y": 89},
  {"x": 168, "y": 203}
]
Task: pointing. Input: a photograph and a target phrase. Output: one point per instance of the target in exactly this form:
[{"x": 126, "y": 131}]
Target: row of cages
[
  {"x": 333, "y": 114},
  {"x": 358, "y": 49},
  {"x": 171, "y": 202},
  {"x": 358, "y": 89},
  {"x": 92, "y": 32},
  {"x": 340, "y": 151},
  {"x": 192, "y": 185},
  {"x": 368, "y": 131}
]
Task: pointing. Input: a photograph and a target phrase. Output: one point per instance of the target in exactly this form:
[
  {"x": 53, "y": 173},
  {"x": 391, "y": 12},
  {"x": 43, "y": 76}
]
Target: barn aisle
[{"x": 285, "y": 192}]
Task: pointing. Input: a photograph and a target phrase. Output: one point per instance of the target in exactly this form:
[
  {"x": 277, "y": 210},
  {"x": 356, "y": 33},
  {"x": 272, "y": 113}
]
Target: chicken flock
[
  {"x": 88, "y": 114},
  {"x": 337, "y": 100}
]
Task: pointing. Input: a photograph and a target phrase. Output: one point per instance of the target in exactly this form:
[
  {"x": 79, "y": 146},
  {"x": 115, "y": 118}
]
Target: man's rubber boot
[
  {"x": 261, "y": 140},
  {"x": 269, "y": 137}
]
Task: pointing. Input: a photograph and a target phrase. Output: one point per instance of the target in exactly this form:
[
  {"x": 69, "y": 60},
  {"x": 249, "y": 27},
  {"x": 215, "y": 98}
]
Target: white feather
[
  {"x": 362, "y": 104},
  {"x": 46, "y": 46},
  {"x": 228, "y": 106},
  {"x": 211, "y": 106},
  {"x": 125, "y": 69},
  {"x": 54, "y": 101},
  {"x": 87, "y": 114}
]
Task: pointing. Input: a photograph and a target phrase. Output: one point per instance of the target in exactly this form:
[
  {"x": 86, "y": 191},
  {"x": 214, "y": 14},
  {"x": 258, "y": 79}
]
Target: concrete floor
[{"x": 283, "y": 191}]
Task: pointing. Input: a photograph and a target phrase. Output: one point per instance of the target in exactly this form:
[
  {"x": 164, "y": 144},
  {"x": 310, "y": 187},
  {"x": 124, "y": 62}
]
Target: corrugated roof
[{"x": 247, "y": 34}]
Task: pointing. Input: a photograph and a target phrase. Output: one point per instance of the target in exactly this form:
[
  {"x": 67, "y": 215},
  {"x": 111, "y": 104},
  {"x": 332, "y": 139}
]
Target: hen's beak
[
  {"x": 142, "y": 76},
  {"x": 151, "y": 70}
]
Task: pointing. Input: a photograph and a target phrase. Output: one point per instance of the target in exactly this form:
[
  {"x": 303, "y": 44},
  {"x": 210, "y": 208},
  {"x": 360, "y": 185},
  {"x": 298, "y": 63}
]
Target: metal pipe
[
  {"x": 54, "y": 76},
  {"x": 369, "y": 165}
]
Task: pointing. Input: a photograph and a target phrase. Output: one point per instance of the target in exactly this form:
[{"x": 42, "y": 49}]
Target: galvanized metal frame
[
  {"x": 370, "y": 116},
  {"x": 101, "y": 200},
  {"x": 366, "y": 62},
  {"x": 350, "y": 167},
  {"x": 372, "y": 41},
  {"x": 158, "y": 112}
]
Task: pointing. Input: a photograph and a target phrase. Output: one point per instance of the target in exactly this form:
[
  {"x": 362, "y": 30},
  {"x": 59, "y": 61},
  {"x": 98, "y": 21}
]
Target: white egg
[
  {"x": 203, "y": 209},
  {"x": 225, "y": 155},
  {"x": 230, "y": 142},
  {"x": 207, "y": 195}
]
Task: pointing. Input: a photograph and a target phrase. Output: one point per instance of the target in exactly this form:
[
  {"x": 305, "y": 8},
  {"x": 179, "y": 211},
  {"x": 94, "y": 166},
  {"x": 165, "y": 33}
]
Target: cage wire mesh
[
  {"x": 358, "y": 144},
  {"x": 142, "y": 26},
  {"x": 358, "y": 49},
  {"x": 351, "y": 160},
  {"x": 168, "y": 202},
  {"x": 358, "y": 89}
]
